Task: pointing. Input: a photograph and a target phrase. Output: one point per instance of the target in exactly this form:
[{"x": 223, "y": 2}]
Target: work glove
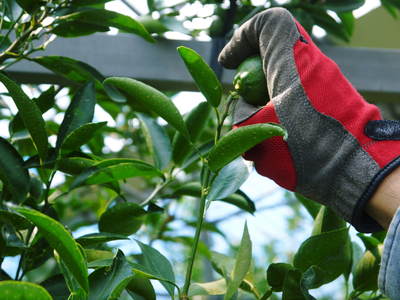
[{"x": 338, "y": 148}]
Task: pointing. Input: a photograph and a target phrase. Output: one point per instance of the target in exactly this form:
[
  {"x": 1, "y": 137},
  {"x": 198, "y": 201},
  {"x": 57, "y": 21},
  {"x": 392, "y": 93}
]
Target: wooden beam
[{"x": 374, "y": 72}]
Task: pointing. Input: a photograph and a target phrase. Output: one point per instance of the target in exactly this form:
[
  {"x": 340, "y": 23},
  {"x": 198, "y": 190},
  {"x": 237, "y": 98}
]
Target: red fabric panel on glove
[
  {"x": 333, "y": 87},
  {"x": 279, "y": 164}
]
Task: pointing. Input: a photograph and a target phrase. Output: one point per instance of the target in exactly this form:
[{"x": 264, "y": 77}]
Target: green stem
[{"x": 199, "y": 225}]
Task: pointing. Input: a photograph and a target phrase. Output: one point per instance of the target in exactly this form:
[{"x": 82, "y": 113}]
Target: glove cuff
[{"x": 360, "y": 220}]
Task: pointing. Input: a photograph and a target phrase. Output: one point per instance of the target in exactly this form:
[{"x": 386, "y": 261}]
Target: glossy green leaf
[
  {"x": 229, "y": 180},
  {"x": 102, "y": 17},
  {"x": 45, "y": 101},
  {"x": 158, "y": 265},
  {"x": 238, "y": 141},
  {"x": 140, "y": 288},
  {"x": 94, "y": 239},
  {"x": 76, "y": 290},
  {"x": 157, "y": 140},
  {"x": 217, "y": 287},
  {"x": 71, "y": 29},
  {"x": 108, "y": 283},
  {"x": 11, "y": 290},
  {"x": 75, "y": 165},
  {"x": 60, "y": 240},
  {"x": 152, "y": 25},
  {"x": 327, "y": 220},
  {"x": 196, "y": 122},
  {"x": 343, "y": 5},
  {"x": 292, "y": 289},
  {"x": 389, "y": 8},
  {"x": 30, "y": 5},
  {"x": 12, "y": 172},
  {"x": 151, "y": 98},
  {"x": 203, "y": 75},
  {"x": 348, "y": 21},
  {"x": 123, "y": 218},
  {"x": 95, "y": 255},
  {"x": 330, "y": 251},
  {"x": 79, "y": 112},
  {"x": 110, "y": 170},
  {"x": 242, "y": 264},
  {"x": 276, "y": 274},
  {"x": 30, "y": 114},
  {"x": 80, "y": 136}
]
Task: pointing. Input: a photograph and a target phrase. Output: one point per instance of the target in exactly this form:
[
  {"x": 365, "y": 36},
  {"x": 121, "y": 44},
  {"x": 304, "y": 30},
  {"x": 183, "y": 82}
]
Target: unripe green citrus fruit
[{"x": 250, "y": 83}]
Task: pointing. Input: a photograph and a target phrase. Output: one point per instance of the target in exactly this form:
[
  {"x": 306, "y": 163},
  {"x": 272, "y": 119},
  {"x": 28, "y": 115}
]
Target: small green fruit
[{"x": 250, "y": 83}]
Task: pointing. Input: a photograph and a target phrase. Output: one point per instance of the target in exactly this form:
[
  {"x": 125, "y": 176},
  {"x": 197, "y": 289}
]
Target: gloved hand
[{"x": 338, "y": 149}]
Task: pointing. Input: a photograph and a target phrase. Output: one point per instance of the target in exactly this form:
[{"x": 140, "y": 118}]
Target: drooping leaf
[
  {"x": 60, "y": 240},
  {"x": 242, "y": 264},
  {"x": 108, "y": 283},
  {"x": 102, "y": 17},
  {"x": 94, "y": 239},
  {"x": 203, "y": 75},
  {"x": 157, "y": 140},
  {"x": 10, "y": 289},
  {"x": 80, "y": 136},
  {"x": 123, "y": 218},
  {"x": 229, "y": 180},
  {"x": 110, "y": 170},
  {"x": 79, "y": 112},
  {"x": 217, "y": 287},
  {"x": 151, "y": 98},
  {"x": 196, "y": 123},
  {"x": 30, "y": 114},
  {"x": 238, "y": 141},
  {"x": 158, "y": 265},
  {"x": 12, "y": 172},
  {"x": 330, "y": 251}
]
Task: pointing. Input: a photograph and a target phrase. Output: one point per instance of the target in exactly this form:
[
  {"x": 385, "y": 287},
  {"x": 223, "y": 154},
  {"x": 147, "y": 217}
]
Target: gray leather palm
[{"x": 331, "y": 166}]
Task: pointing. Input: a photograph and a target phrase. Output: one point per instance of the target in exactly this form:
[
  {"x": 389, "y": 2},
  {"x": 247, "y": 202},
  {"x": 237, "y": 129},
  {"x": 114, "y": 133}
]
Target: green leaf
[
  {"x": 343, "y": 5},
  {"x": 56, "y": 286},
  {"x": 153, "y": 99},
  {"x": 12, "y": 172},
  {"x": 348, "y": 21},
  {"x": 311, "y": 206},
  {"x": 75, "y": 165},
  {"x": 152, "y": 25},
  {"x": 276, "y": 274},
  {"x": 108, "y": 283},
  {"x": 37, "y": 254},
  {"x": 238, "y": 141},
  {"x": 229, "y": 180},
  {"x": 389, "y": 8},
  {"x": 95, "y": 239},
  {"x": 217, "y": 287},
  {"x": 30, "y": 114},
  {"x": 157, "y": 140},
  {"x": 79, "y": 112},
  {"x": 71, "y": 69},
  {"x": 327, "y": 220},
  {"x": 203, "y": 75},
  {"x": 292, "y": 289},
  {"x": 123, "y": 218},
  {"x": 96, "y": 255},
  {"x": 158, "y": 265},
  {"x": 80, "y": 136},
  {"x": 30, "y": 5},
  {"x": 107, "y": 18},
  {"x": 45, "y": 101},
  {"x": 109, "y": 170},
  {"x": 242, "y": 264},
  {"x": 60, "y": 240},
  {"x": 76, "y": 290},
  {"x": 14, "y": 219},
  {"x": 140, "y": 288},
  {"x": 196, "y": 122},
  {"x": 330, "y": 251},
  {"x": 23, "y": 290},
  {"x": 365, "y": 275}
]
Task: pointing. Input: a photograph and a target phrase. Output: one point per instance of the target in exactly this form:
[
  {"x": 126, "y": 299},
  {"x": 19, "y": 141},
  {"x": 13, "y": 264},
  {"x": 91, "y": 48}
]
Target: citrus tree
[{"x": 59, "y": 175}]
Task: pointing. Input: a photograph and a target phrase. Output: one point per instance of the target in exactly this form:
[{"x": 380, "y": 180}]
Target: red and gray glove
[{"x": 338, "y": 149}]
